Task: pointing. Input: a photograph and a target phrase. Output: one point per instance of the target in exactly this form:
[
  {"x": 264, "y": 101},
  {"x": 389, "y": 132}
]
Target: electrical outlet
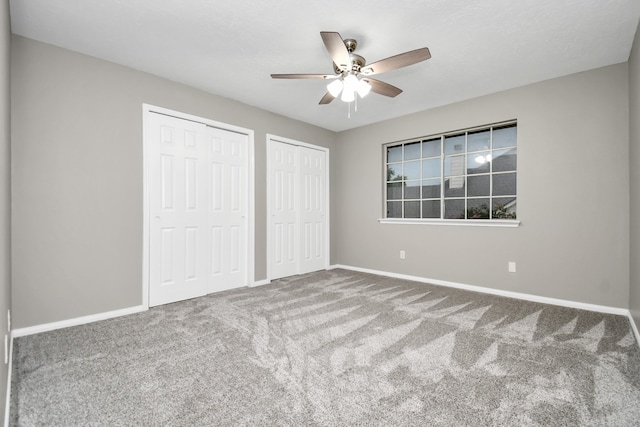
[
  {"x": 402, "y": 255},
  {"x": 512, "y": 266}
]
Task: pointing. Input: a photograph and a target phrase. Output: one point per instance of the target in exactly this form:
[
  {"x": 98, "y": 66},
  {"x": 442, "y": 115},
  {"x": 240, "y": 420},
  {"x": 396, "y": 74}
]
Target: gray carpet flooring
[{"x": 334, "y": 348}]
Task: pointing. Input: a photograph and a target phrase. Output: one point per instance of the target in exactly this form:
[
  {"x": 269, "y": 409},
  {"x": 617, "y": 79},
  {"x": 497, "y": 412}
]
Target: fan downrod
[{"x": 351, "y": 45}]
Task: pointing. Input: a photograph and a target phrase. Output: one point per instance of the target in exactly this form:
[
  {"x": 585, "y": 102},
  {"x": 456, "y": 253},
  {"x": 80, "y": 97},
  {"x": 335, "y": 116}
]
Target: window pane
[
  {"x": 431, "y": 148},
  {"x": 454, "y": 209},
  {"x": 478, "y": 185},
  {"x": 504, "y": 208},
  {"x": 412, "y": 151},
  {"x": 504, "y": 137},
  {"x": 394, "y": 209},
  {"x": 394, "y": 191},
  {"x": 504, "y": 183},
  {"x": 431, "y": 168},
  {"x": 412, "y": 209},
  {"x": 412, "y": 190},
  {"x": 478, "y": 209},
  {"x": 478, "y": 141},
  {"x": 454, "y": 186},
  {"x": 454, "y": 144},
  {"x": 394, "y": 172},
  {"x": 394, "y": 154},
  {"x": 412, "y": 170},
  {"x": 478, "y": 162},
  {"x": 505, "y": 160},
  {"x": 431, "y": 209},
  {"x": 430, "y": 188},
  {"x": 454, "y": 165}
]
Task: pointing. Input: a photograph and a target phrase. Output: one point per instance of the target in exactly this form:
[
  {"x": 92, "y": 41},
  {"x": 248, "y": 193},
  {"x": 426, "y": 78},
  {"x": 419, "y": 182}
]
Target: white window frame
[{"x": 498, "y": 222}]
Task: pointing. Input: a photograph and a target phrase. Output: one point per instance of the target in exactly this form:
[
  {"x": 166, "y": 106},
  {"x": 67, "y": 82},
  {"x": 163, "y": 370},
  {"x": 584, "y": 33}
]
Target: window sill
[{"x": 457, "y": 222}]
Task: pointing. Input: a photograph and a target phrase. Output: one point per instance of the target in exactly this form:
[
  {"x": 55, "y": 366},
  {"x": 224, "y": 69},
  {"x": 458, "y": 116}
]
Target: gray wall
[
  {"x": 634, "y": 134},
  {"x": 77, "y": 185},
  {"x": 5, "y": 190},
  {"x": 573, "y": 194}
]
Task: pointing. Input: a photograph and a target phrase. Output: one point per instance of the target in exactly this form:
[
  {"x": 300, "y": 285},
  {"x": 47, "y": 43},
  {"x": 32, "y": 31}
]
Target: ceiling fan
[{"x": 352, "y": 74}]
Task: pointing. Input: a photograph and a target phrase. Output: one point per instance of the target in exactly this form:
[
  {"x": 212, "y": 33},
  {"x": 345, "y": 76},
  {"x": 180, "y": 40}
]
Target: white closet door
[
  {"x": 284, "y": 209},
  {"x": 178, "y": 211},
  {"x": 297, "y": 212},
  {"x": 228, "y": 209},
  {"x": 312, "y": 209},
  {"x": 198, "y": 209}
]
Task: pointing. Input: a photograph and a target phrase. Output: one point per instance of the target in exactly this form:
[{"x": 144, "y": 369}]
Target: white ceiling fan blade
[
  {"x": 302, "y": 76},
  {"x": 397, "y": 61},
  {"x": 383, "y": 88},
  {"x": 327, "y": 98},
  {"x": 336, "y": 48}
]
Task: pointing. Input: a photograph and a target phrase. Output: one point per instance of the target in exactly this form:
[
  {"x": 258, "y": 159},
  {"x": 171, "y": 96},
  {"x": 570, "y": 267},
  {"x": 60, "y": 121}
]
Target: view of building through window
[{"x": 463, "y": 175}]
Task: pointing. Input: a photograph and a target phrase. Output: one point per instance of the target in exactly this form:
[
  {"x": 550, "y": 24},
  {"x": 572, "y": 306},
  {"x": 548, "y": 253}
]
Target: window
[{"x": 466, "y": 175}]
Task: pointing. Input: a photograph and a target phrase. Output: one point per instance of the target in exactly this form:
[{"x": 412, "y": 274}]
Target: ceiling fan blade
[
  {"x": 397, "y": 61},
  {"x": 327, "y": 98},
  {"x": 383, "y": 88},
  {"x": 301, "y": 76},
  {"x": 336, "y": 48}
]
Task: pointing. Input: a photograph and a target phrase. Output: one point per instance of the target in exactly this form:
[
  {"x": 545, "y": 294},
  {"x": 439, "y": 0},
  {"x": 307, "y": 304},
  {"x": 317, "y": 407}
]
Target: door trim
[
  {"x": 327, "y": 238},
  {"x": 148, "y": 109}
]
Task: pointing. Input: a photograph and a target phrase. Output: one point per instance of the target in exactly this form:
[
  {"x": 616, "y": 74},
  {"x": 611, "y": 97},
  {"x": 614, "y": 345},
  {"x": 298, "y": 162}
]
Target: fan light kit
[
  {"x": 349, "y": 86},
  {"x": 351, "y": 78}
]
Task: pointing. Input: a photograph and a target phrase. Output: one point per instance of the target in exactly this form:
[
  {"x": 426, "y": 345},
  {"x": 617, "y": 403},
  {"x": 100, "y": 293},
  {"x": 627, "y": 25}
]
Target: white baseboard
[
  {"x": 509, "y": 294},
  {"x": 21, "y": 332},
  {"x": 7, "y": 404},
  {"x": 634, "y": 327},
  {"x": 260, "y": 283}
]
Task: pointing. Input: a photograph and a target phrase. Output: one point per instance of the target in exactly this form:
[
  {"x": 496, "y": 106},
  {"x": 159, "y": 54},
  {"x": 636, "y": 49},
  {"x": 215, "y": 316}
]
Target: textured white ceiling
[{"x": 230, "y": 48}]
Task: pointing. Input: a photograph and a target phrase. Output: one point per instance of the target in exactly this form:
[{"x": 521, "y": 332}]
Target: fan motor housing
[{"x": 357, "y": 62}]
